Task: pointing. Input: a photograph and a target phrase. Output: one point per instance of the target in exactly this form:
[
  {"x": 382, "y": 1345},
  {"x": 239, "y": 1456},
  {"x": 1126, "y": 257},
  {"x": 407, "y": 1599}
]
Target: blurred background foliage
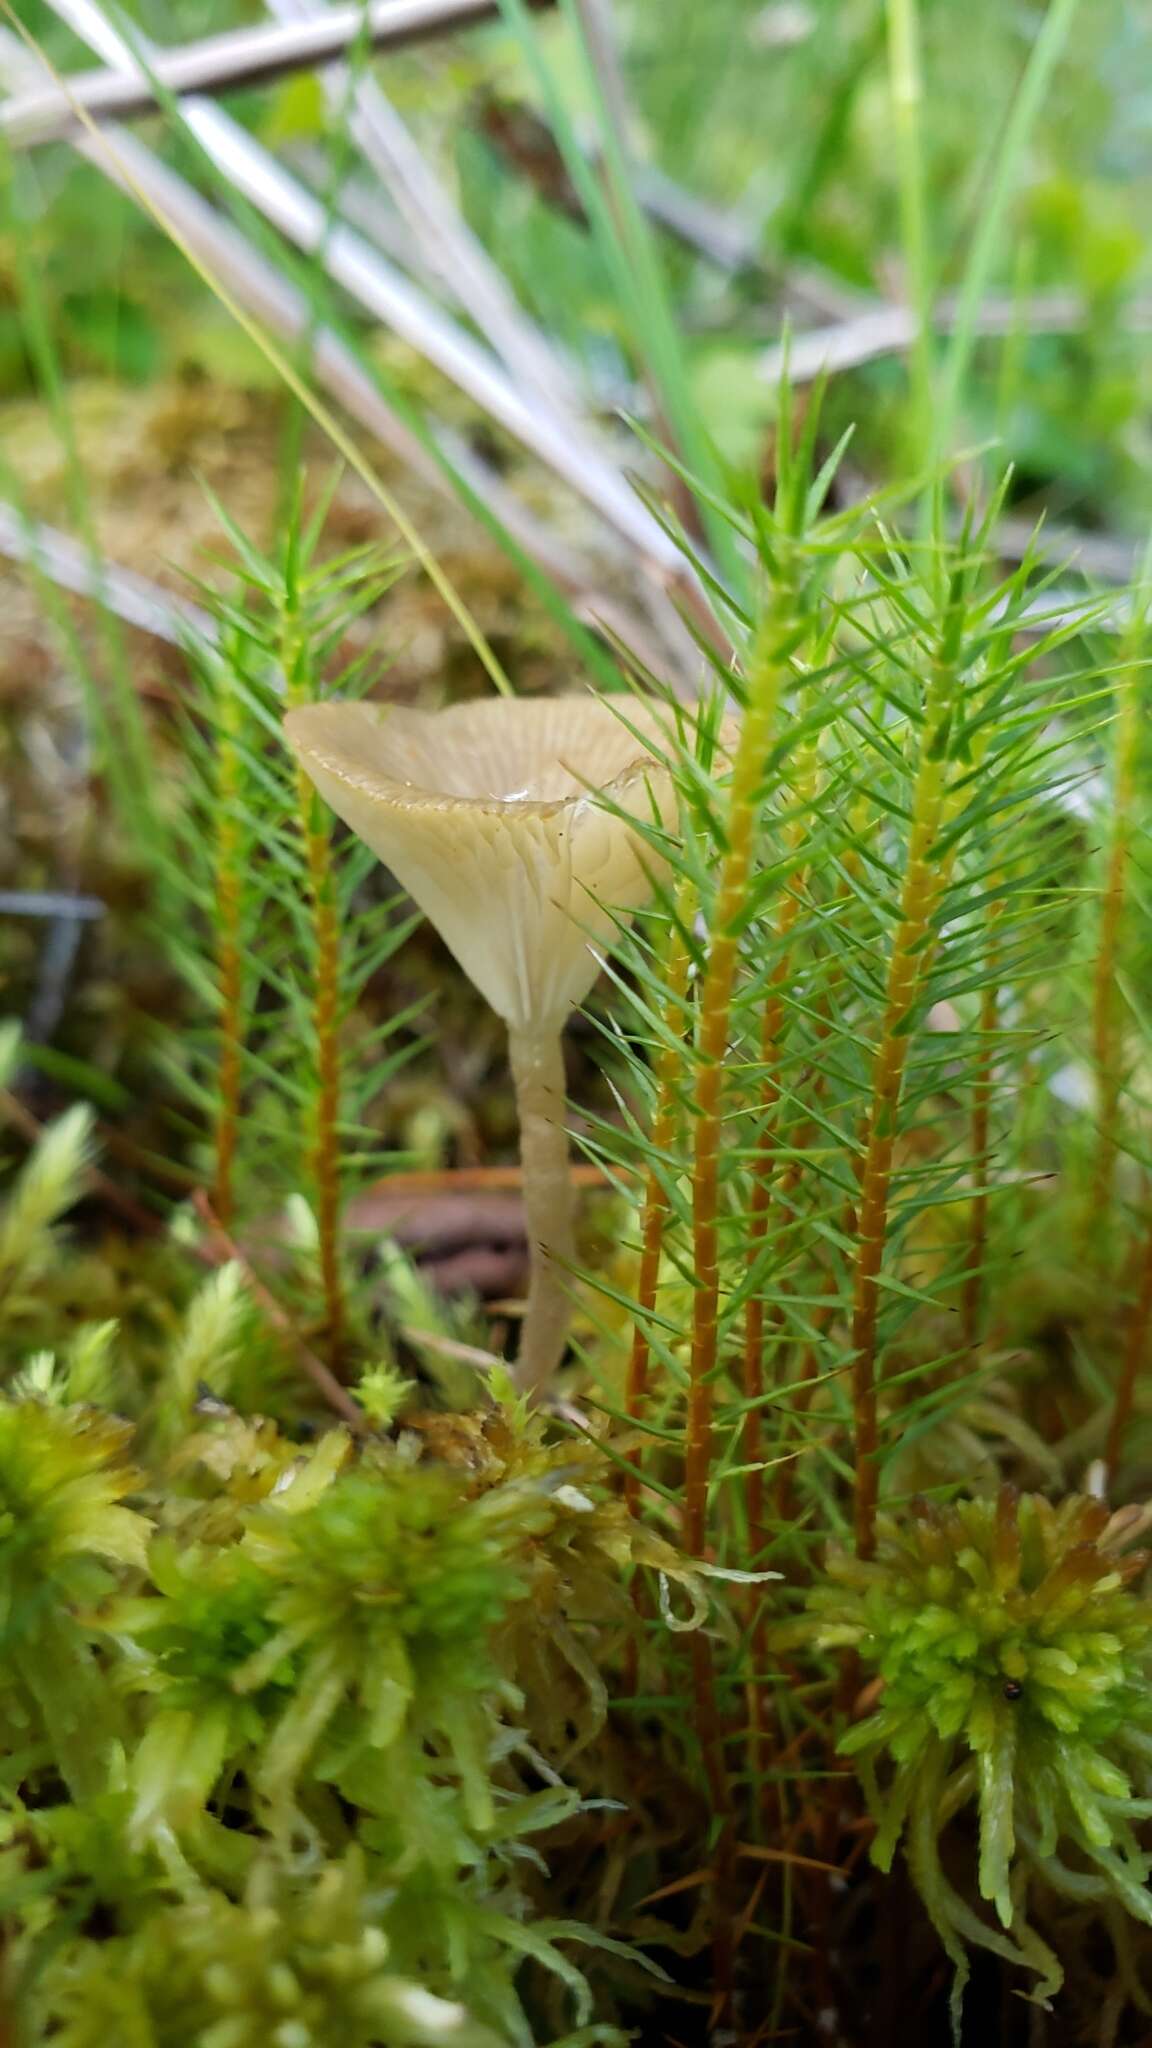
[{"x": 778, "y": 113}]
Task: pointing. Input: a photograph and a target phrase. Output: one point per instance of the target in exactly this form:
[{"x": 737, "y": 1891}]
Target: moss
[
  {"x": 266, "y": 1775},
  {"x": 1011, "y": 1645},
  {"x": 287, "y": 1966}
]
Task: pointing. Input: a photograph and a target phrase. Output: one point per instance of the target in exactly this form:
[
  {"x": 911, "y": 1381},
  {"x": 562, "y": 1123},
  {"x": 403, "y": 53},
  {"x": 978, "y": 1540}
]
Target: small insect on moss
[{"x": 1012, "y": 1689}]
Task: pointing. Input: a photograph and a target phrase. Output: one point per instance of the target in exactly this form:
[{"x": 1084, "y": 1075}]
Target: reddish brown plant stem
[
  {"x": 218, "y": 1248},
  {"x": 145, "y": 1221}
]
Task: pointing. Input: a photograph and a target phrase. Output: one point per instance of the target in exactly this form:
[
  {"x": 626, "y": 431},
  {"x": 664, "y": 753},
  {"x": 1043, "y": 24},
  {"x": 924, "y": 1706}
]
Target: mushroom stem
[{"x": 538, "y": 1073}]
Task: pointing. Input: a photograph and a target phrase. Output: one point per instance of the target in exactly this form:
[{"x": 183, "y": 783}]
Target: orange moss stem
[{"x": 924, "y": 880}]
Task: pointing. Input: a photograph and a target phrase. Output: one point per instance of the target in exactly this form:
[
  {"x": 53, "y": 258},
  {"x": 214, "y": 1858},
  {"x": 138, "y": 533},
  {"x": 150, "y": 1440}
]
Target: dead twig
[
  {"x": 220, "y": 1249},
  {"x": 527, "y": 145},
  {"x": 877, "y": 331},
  {"x": 438, "y": 231},
  {"x": 29, "y": 1127},
  {"x": 242, "y": 57},
  {"x": 74, "y": 567},
  {"x": 471, "y": 1180},
  {"x": 450, "y": 1348},
  {"x": 50, "y": 903}
]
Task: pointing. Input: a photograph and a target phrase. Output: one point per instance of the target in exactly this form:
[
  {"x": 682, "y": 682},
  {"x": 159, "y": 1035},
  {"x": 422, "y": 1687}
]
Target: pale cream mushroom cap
[{"x": 492, "y": 816}]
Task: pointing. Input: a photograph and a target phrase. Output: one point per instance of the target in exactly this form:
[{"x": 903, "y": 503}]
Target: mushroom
[{"x": 508, "y": 822}]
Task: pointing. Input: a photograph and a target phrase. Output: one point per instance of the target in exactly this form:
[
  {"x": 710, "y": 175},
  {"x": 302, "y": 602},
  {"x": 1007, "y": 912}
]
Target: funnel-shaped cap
[{"x": 489, "y": 814}]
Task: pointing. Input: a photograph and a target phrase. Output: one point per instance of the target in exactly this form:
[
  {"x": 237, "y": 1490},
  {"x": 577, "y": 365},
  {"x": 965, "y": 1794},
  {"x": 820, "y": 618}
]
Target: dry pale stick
[
  {"x": 447, "y": 245},
  {"x": 246, "y": 56}
]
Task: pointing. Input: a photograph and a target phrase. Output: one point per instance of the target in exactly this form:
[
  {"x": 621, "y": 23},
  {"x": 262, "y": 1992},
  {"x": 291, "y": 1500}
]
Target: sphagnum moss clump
[
  {"x": 268, "y": 1757},
  {"x": 64, "y": 1474},
  {"x": 1013, "y": 1645},
  {"x": 287, "y": 1966}
]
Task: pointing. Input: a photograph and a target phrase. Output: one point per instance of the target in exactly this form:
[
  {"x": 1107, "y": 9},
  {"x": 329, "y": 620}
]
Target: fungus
[{"x": 508, "y": 823}]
